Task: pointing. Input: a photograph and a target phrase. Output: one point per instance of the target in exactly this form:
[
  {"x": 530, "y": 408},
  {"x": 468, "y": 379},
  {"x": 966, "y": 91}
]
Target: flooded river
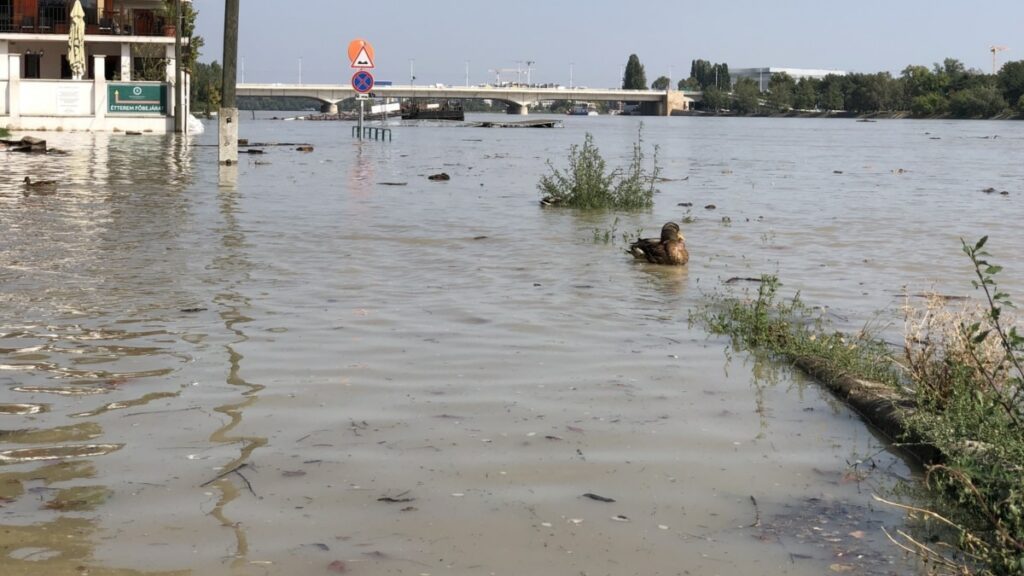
[{"x": 308, "y": 371}]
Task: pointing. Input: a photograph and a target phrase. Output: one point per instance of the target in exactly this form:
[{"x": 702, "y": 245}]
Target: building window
[{"x": 6, "y": 15}]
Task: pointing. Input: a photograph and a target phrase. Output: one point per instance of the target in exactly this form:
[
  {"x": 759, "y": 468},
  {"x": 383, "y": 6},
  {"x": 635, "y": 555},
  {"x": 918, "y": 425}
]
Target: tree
[
  {"x": 634, "y": 77},
  {"x": 832, "y": 92},
  {"x": 930, "y": 104},
  {"x": 1011, "y": 80},
  {"x": 780, "y": 91},
  {"x": 715, "y": 99},
  {"x": 977, "y": 102},
  {"x": 806, "y": 95},
  {"x": 661, "y": 83},
  {"x": 746, "y": 96},
  {"x": 689, "y": 84}
]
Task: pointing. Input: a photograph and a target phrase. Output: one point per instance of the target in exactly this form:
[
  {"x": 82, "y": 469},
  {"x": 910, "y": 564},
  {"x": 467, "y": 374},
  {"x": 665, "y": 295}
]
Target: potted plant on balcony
[{"x": 167, "y": 14}]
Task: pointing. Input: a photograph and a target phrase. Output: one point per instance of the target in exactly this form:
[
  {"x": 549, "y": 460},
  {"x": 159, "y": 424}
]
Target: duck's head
[
  {"x": 27, "y": 180},
  {"x": 670, "y": 231}
]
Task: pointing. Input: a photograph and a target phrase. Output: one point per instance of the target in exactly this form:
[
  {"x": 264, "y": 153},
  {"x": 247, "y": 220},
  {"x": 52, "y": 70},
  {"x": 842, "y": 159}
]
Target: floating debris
[
  {"x": 23, "y": 409},
  {"x": 598, "y": 497},
  {"x": 20, "y": 455},
  {"x": 443, "y": 176}
]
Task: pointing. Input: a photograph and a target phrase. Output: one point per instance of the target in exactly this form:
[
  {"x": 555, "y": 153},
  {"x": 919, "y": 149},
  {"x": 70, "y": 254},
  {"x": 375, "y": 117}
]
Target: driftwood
[{"x": 884, "y": 408}]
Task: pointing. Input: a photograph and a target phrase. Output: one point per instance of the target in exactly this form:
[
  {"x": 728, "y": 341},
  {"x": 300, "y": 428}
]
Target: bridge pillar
[
  {"x": 516, "y": 108},
  {"x": 329, "y": 108}
]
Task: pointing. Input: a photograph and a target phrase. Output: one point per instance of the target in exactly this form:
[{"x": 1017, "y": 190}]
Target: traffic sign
[
  {"x": 362, "y": 81},
  {"x": 360, "y": 53}
]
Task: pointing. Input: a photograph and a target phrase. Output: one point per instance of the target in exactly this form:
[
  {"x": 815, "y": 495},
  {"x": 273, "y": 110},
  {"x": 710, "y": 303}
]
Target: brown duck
[{"x": 670, "y": 249}]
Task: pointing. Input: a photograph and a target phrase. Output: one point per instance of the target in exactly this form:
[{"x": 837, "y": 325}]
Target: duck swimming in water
[
  {"x": 39, "y": 183},
  {"x": 670, "y": 249}
]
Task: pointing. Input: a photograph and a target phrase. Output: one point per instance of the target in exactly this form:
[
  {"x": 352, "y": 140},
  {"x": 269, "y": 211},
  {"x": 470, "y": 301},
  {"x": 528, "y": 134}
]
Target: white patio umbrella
[{"x": 76, "y": 42}]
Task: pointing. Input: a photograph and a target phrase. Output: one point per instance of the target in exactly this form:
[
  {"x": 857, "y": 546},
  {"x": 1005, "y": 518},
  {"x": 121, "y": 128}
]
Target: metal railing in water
[{"x": 371, "y": 132}]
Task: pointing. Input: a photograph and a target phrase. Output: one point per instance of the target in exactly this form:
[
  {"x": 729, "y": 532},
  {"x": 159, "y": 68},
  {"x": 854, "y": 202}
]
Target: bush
[
  {"x": 587, "y": 184},
  {"x": 977, "y": 102},
  {"x": 4, "y": 133},
  {"x": 931, "y": 104}
]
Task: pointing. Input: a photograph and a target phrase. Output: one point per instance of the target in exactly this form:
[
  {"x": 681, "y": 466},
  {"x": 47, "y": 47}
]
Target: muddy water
[{"x": 228, "y": 379}]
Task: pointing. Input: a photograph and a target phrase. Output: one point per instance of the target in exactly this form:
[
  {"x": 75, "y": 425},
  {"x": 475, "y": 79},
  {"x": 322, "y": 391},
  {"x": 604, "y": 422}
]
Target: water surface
[{"x": 226, "y": 378}]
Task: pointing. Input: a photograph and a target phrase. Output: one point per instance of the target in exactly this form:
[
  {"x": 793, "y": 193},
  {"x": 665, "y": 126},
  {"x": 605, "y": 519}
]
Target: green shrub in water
[{"x": 588, "y": 184}]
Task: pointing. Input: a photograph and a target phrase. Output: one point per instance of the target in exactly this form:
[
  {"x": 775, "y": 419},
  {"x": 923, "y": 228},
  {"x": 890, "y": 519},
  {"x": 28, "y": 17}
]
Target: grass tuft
[{"x": 588, "y": 184}]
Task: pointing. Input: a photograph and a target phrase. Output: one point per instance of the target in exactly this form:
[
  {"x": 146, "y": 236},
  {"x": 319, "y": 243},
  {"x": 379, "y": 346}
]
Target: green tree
[
  {"x": 832, "y": 92},
  {"x": 715, "y": 99},
  {"x": 977, "y": 102},
  {"x": 1011, "y": 80},
  {"x": 634, "y": 77},
  {"x": 661, "y": 83},
  {"x": 780, "y": 91},
  {"x": 930, "y": 104},
  {"x": 746, "y": 96},
  {"x": 870, "y": 92},
  {"x": 690, "y": 83},
  {"x": 805, "y": 97},
  {"x": 206, "y": 86}
]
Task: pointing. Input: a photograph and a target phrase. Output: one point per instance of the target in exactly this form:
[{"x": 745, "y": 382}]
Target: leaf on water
[
  {"x": 858, "y": 534},
  {"x": 293, "y": 473},
  {"x": 840, "y": 568},
  {"x": 337, "y": 567}
]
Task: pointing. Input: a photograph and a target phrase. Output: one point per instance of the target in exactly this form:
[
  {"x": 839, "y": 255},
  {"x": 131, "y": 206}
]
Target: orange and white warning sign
[{"x": 360, "y": 53}]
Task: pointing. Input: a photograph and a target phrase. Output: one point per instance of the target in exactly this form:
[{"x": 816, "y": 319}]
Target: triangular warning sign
[{"x": 362, "y": 60}]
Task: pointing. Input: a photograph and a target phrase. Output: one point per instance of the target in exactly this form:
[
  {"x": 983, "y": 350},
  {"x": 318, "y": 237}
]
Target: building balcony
[{"x": 56, "y": 20}]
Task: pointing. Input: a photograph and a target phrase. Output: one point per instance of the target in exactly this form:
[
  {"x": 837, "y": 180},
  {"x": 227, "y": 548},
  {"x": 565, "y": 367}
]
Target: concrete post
[
  {"x": 126, "y": 62},
  {"x": 14, "y": 88},
  {"x": 99, "y": 89},
  {"x": 228, "y": 117}
]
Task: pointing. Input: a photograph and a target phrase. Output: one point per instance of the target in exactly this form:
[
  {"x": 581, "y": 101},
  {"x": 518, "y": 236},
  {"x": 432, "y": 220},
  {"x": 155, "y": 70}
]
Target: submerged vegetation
[
  {"x": 3, "y": 132},
  {"x": 956, "y": 390},
  {"x": 588, "y": 184}
]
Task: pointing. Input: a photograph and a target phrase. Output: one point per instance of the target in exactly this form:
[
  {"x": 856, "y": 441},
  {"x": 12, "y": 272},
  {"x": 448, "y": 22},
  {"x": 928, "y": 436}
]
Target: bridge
[{"x": 519, "y": 98}]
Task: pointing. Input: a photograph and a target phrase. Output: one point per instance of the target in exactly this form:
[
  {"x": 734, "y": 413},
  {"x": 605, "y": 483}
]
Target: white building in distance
[{"x": 763, "y": 75}]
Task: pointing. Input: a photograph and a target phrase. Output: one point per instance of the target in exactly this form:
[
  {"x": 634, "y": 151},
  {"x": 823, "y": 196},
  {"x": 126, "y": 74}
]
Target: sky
[{"x": 289, "y": 41}]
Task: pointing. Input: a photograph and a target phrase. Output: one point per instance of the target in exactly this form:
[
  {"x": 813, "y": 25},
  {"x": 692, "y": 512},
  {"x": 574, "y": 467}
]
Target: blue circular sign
[{"x": 362, "y": 81}]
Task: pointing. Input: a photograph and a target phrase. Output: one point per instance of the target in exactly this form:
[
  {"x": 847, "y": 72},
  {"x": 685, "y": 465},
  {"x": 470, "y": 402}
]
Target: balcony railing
[{"x": 57, "y": 19}]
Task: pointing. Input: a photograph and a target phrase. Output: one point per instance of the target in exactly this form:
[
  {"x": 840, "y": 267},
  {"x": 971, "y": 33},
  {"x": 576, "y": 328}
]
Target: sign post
[{"x": 360, "y": 54}]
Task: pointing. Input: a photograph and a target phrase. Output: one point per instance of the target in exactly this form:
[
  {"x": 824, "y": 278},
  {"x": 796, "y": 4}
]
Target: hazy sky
[{"x": 598, "y": 36}]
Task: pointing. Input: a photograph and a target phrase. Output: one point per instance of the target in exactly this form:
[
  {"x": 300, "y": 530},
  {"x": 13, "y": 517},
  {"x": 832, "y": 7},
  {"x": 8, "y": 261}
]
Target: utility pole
[
  {"x": 570, "y": 74},
  {"x": 529, "y": 72},
  {"x": 227, "y": 129},
  {"x": 412, "y": 71},
  {"x": 179, "y": 88}
]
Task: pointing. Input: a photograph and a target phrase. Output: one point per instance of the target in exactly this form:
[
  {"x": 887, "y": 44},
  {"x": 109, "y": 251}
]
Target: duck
[
  {"x": 39, "y": 183},
  {"x": 670, "y": 249}
]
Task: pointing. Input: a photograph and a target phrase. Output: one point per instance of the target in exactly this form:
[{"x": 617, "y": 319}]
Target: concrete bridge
[{"x": 519, "y": 98}]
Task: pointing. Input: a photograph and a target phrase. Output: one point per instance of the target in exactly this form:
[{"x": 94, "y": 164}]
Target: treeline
[{"x": 948, "y": 89}]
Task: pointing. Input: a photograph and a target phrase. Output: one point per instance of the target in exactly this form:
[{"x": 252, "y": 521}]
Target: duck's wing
[{"x": 650, "y": 249}]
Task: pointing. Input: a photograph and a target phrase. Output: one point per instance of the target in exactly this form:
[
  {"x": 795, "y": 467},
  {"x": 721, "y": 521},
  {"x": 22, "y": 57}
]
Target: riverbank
[
  {"x": 952, "y": 398},
  {"x": 866, "y": 117}
]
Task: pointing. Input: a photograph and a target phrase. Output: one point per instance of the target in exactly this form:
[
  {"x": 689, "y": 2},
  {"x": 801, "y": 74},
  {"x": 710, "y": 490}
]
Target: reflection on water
[
  {"x": 223, "y": 371},
  {"x": 234, "y": 271}
]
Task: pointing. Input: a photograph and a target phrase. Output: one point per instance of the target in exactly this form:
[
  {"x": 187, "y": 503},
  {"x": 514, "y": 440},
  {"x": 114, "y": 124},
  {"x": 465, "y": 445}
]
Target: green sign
[{"x": 137, "y": 98}]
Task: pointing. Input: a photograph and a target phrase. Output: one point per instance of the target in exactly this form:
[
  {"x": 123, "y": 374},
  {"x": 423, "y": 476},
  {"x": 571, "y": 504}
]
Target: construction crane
[
  {"x": 499, "y": 71},
  {"x": 995, "y": 50}
]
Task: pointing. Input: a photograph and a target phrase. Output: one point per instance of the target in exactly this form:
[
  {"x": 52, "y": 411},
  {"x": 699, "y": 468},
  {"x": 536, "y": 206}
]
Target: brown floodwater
[{"x": 297, "y": 369}]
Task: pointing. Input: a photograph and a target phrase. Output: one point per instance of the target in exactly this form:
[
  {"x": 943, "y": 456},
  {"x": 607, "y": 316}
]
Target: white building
[
  {"x": 36, "y": 89},
  {"x": 764, "y": 75}
]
